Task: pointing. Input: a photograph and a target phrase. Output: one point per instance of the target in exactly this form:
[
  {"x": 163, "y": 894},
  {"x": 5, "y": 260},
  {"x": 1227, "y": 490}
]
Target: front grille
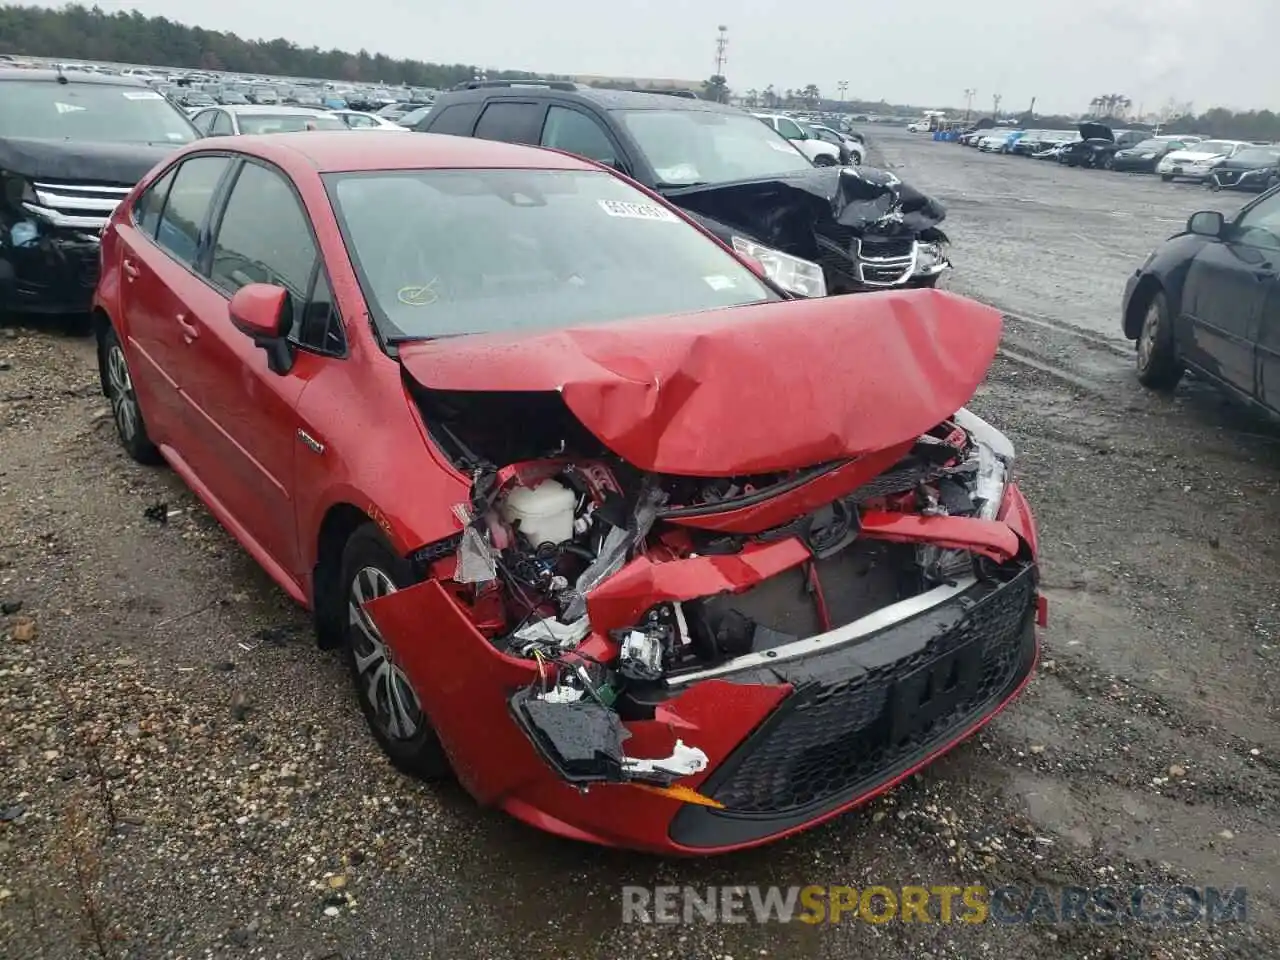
[
  {"x": 853, "y": 722},
  {"x": 869, "y": 261},
  {"x": 76, "y": 206}
]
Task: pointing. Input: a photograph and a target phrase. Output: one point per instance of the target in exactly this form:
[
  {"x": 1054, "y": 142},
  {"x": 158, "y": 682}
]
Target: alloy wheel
[
  {"x": 1150, "y": 332},
  {"x": 124, "y": 404},
  {"x": 387, "y": 688}
]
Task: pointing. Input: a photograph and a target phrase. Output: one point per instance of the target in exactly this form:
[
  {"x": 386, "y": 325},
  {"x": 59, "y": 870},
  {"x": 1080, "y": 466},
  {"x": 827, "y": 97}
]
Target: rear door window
[
  {"x": 511, "y": 121},
  {"x": 573, "y": 130},
  {"x": 187, "y": 207},
  {"x": 457, "y": 119},
  {"x": 146, "y": 212}
]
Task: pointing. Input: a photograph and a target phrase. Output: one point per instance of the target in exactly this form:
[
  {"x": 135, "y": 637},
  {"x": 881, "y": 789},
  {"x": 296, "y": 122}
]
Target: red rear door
[{"x": 159, "y": 248}]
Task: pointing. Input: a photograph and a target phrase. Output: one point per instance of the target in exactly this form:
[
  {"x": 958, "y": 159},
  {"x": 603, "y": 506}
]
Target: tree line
[{"x": 77, "y": 32}]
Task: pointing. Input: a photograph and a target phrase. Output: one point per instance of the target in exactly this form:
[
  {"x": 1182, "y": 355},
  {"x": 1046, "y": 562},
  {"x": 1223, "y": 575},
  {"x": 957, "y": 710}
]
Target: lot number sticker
[{"x": 637, "y": 211}]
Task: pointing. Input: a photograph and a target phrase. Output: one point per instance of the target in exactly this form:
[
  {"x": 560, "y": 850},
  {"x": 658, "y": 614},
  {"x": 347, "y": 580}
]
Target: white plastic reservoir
[{"x": 544, "y": 514}]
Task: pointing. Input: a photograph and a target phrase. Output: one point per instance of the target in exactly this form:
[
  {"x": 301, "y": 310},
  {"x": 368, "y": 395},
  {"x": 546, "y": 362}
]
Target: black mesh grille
[{"x": 844, "y": 728}]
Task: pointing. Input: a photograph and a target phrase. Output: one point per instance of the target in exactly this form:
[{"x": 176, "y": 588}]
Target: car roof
[
  {"x": 75, "y": 76},
  {"x": 348, "y": 152},
  {"x": 605, "y": 99},
  {"x": 283, "y": 110}
]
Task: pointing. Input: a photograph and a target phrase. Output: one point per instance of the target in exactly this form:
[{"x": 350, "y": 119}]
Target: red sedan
[{"x": 609, "y": 528}]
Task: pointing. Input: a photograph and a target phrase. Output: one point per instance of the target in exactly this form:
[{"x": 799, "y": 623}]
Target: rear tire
[
  {"x": 825, "y": 160},
  {"x": 371, "y": 568},
  {"x": 1159, "y": 366},
  {"x": 118, "y": 385}
]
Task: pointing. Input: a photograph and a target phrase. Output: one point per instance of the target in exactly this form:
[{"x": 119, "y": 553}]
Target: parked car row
[{"x": 1220, "y": 164}]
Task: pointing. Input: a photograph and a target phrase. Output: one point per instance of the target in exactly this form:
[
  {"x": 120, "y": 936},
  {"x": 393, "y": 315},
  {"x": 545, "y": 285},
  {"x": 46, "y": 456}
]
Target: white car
[
  {"x": 804, "y": 139},
  {"x": 359, "y": 120},
  {"x": 1197, "y": 162},
  {"x": 857, "y": 152}
]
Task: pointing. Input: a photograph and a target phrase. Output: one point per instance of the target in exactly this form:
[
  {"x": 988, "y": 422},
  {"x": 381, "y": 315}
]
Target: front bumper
[
  {"x": 862, "y": 717},
  {"x": 1134, "y": 164},
  {"x": 1186, "y": 171},
  {"x": 1254, "y": 180},
  {"x": 46, "y": 269},
  {"x": 791, "y": 739},
  {"x": 850, "y": 262}
]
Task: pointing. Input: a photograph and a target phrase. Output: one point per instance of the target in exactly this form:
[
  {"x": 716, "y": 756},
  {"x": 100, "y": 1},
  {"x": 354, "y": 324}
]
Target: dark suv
[
  {"x": 71, "y": 148},
  {"x": 815, "y": 230}
]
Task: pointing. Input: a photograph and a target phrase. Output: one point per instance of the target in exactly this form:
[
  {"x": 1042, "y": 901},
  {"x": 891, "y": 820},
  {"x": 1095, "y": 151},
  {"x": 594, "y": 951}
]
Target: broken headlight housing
[
  {"x": 995, "y": 462},
  {"x": 793, "y": 274}
]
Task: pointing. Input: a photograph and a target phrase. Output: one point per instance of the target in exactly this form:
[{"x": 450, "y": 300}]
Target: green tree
[{"x": 716, "y": 88}]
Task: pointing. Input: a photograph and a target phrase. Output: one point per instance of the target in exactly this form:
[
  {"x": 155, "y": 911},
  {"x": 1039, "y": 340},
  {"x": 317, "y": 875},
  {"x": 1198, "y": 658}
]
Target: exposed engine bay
[{"x": 554, "y": 516}]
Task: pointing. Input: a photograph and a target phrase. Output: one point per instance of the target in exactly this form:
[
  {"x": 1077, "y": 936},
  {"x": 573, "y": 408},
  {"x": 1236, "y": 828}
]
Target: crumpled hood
[
  {"x": 78, "y": 160},
  {"x": 784, "y": 212},
  {"x": 1095, "y": 131},
  {"x": 743, "y": 390}
]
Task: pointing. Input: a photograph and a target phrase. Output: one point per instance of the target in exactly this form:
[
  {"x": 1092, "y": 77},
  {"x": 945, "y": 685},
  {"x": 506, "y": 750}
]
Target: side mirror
[
  {"x": 260, "y": 311},
  {"x": 1207, "y": 223}
]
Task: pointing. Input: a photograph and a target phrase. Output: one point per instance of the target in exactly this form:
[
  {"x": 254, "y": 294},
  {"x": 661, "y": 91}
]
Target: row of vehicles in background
[
  {"x": 1220, "y": 164},
  {"x": 73, "y": 144}
]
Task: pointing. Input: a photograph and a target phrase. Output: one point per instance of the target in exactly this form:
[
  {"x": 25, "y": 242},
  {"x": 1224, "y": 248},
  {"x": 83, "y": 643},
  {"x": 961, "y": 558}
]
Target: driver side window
[
  {"x": 1260, "y": 225},
  {"x": 789, "y": 129},
  {"x": 264, "y": 236},
  {"x": 221, "y": 125}
]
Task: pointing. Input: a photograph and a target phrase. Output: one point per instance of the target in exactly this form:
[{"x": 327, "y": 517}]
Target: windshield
[
  {"x": 1262, "y": 156},
  {"x": 448, "y": 252},
  {"x": 1212, "y": 146},
  {"x": 42, "y": 110},
  {"x": 287, "y": 123},
  {"x": 696, "y": 146}
]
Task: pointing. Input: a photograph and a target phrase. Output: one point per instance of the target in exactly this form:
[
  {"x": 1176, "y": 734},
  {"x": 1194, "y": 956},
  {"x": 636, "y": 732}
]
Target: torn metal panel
[
  {"x": 990, "y": 538},
  {"x": 769, "y": 387}
]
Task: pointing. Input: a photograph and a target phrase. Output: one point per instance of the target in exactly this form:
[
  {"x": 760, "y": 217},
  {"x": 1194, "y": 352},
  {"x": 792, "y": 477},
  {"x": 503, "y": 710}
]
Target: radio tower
[{"x": 722, "y": 45}]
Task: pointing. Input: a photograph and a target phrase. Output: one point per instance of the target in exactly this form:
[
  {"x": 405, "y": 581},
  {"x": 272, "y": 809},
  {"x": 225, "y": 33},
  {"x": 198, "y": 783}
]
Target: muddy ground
[{"x": 171, "y": 690}]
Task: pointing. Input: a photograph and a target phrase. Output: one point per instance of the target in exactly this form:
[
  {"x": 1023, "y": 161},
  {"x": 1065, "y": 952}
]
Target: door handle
[
  {"x": 130, "y": 269},
  {"x": 189, "y": 330}
]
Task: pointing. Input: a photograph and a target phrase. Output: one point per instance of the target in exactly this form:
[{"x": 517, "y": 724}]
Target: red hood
[{"x": 744, "y": 390}]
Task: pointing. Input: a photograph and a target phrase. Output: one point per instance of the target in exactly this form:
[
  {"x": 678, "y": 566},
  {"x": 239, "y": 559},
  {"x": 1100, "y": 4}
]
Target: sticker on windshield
[
  {"x": 637, "y": 211},
  {"x": 719, "y": 283},
  {"x": 68, "y": 107},
  {"x": 142, "y": 95}
]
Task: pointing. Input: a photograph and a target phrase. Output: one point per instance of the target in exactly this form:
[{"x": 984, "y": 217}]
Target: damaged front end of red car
[{"x": 720, "y": 577}]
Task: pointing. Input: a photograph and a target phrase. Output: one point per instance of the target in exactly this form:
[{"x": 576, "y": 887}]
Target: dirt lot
[{"x": 170, "y": 689}]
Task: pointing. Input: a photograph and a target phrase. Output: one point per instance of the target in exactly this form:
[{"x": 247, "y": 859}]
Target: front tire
[
  {"x": 371, "y": 569},
  {"x": 118, "y": 385},
  {"x": 825, "y": 160},
  {"x": 1167, "y": 177},
  {"x": 1159, "y": 366}
]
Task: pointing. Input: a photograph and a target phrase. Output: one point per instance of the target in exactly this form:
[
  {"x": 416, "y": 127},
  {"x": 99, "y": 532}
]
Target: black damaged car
[
  {"x": 1143, "y": 157},
  {"x": 71, "y": 148},
  {"x": 1253, "y": 168},
  {"x": 1098, "y": 145},
  {"x": 815, "y": 230}
]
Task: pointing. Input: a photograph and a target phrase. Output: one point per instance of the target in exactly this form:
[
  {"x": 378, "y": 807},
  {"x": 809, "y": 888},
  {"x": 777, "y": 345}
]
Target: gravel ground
[{"x": 182, "y": 773}]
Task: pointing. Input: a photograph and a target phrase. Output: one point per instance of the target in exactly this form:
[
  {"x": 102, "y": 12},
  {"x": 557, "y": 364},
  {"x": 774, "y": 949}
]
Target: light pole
[
  {"x": 969, "y": 94},
  {"x": 843, "y": 87}
]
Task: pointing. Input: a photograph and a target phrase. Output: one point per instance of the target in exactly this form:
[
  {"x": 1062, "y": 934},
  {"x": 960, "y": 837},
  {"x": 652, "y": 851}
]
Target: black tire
[
  {"x": 1109, "y": 163},
  {"x": 117, "y": 384},
  {"x": 1167, "y": 177},
  {"x": 825, "y": 160},
  {"x": 1159, "y": 366},
  {"x": 370, "y": 567}
]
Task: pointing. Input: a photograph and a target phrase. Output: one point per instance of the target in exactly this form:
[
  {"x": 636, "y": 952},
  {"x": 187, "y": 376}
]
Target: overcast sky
[{"x": 926, "y": 52}]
